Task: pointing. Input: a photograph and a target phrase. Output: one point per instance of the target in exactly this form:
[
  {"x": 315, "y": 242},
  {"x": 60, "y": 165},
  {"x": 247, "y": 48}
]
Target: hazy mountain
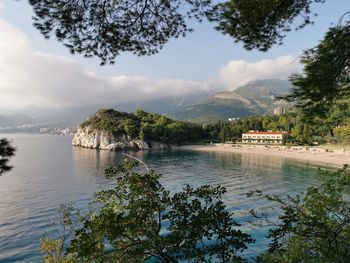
[
  {"x": 74, "y": 116},
  {"x": 166, "y": 105},
  {"x": 265, "y": 91},
  {"x": 256, "y": 97},
  {"x": 15, "y": 120}
]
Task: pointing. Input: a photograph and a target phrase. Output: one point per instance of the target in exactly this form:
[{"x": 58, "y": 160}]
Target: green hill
[
  {"x": 144, "y": 126},
  {"x": 257, "y": 97}
]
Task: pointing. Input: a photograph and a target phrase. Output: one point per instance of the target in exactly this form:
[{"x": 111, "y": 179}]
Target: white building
[
  {"x": 233, "y": 119},
  {"x": 258, "y": 137},
  {"x": 279, "y": 111}
]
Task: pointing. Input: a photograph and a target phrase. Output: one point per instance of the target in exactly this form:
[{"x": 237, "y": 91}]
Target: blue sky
[{"x": 199, "y": 60}]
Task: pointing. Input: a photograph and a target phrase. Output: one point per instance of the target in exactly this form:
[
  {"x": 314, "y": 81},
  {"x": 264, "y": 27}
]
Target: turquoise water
[{"x": 48, "y": 171}]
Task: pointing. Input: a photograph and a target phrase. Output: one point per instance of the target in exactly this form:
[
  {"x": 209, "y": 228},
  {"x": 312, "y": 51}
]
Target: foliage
[
  {"x": 110, "y": 120},
  {"x": 302, "y": 129},
  {"x": 232, "y": 131},
  {"x": 6, "y": 152},
  {"x": 139, "y": 220},
  {"x": 105, "y": 28},
  {"x": 52, "y": 249},
  {"x": 326, "y": 76},
  {"x": 145, "y": 126},
  {"x": 342, "y": 133},
  {"x": 314, "y": 227},
  {"x": 260, "y": 24}
]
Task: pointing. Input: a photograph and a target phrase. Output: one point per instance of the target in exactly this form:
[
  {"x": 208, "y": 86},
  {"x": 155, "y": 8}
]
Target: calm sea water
[{"x": 48, "y": 171}]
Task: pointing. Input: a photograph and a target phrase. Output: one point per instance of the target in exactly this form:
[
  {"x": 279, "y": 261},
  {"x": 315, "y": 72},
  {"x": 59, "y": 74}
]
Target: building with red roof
[{"x": 263, "y": 137}]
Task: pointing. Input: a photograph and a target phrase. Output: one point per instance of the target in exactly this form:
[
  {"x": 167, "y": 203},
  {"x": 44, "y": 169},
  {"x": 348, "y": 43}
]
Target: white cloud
[
  {"x": 2, "y": 6},
  {"x": 239, "y": 72},
  {"x": 30, "y": 78}
]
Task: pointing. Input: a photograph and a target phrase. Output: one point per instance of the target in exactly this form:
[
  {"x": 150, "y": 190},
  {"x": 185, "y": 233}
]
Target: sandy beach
[{"x": 316, "y": 155}]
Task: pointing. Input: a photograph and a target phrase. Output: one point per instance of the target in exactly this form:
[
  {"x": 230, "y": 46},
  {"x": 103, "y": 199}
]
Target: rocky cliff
[
  {"x": 96, "y": 139},
  {"x": 115, "y": 130}
]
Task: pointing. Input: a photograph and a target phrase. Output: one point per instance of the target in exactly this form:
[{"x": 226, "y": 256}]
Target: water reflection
[{"x": 86, "y": 160}]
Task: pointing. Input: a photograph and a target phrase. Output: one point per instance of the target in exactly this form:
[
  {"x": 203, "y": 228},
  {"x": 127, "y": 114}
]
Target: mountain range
[{"x": 256, "y": 97}]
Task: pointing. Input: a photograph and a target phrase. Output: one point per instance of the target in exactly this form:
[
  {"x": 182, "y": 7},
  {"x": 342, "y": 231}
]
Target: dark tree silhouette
[
  {"x": 105, "y": 28},
  {"x": 326, "y": 77},
  {"x": 260, "y": 24},
  {"x": 6, "y": 152}
]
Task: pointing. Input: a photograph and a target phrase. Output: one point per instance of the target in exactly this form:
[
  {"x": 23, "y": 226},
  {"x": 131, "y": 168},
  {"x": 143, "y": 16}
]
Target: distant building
[
  {"x": 233, "y": 119},
  {"x": 260, "y": 137},
  {"x": 279, "y": 111}
]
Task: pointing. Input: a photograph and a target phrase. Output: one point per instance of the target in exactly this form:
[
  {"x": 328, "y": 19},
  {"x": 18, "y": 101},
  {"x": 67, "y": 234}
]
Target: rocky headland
[
  {"x": 95, "y": 139},
  {"x": 108, "y": 129}
]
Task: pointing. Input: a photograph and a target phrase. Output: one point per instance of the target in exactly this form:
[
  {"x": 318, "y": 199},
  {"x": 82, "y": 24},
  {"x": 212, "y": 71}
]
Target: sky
[{"x": 35, "y": 72}]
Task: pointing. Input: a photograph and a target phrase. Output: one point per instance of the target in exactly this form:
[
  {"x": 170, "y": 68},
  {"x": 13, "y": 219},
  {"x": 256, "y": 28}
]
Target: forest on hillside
[
  {"x": 301, "y": 130},
  {"x": 145, "y": 126},
  {"x": 155, "y": 127}
]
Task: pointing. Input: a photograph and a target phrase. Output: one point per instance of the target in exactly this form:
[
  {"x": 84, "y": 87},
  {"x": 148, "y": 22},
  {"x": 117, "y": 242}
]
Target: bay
[{"x": 48, "y": 171}]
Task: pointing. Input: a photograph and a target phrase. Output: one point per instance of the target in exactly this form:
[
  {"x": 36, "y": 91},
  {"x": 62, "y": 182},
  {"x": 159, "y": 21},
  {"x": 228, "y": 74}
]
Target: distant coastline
[{"x": 316, "y": 155}]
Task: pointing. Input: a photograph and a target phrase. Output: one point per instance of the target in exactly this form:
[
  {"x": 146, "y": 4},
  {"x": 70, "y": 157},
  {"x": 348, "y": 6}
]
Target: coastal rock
[{"x": 96, "y": 139}]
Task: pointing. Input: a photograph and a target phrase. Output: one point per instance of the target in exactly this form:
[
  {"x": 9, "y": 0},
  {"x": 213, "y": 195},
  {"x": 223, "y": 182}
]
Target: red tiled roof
[{"x": 263, "y": 132}]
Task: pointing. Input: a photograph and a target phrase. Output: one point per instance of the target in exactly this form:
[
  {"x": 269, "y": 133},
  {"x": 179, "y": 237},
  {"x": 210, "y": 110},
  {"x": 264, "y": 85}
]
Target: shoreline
[{"x": 315, "y": 155}]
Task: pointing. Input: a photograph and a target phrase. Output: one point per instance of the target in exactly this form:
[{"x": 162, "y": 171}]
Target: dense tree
[
  {"x": 145, "y": 126},
  {"x": 312, "y": 227},
  {"x": 6, "y": 152},
  {"x": 130, "y": 128},
  {"x": 342, "y": 134},
  {"x": 260, "y": 24},
  {"x": 302, "y": 129},
  {"x": 139, "y": 220},
  {"x": 105, "y": 28},
  {"x": 326, "y": 76}
]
